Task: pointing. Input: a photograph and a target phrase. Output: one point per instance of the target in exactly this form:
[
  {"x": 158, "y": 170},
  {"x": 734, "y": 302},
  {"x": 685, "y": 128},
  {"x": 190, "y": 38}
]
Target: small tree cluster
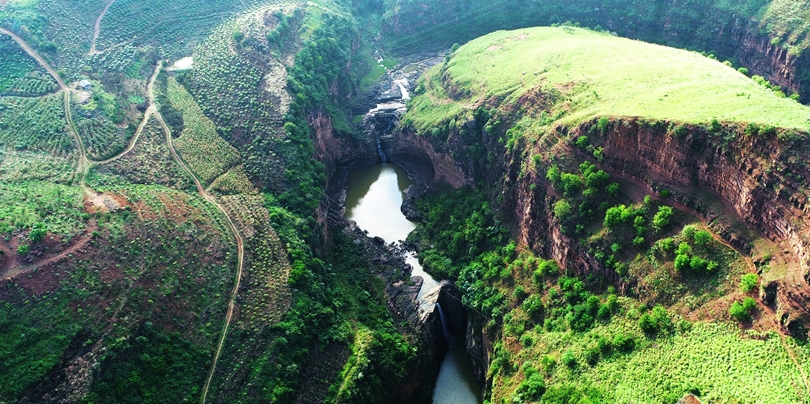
[
  {"x": 655, "y": 321},
  {"x": 748, "y": 282},
  {"x": 743, "y": 311}
]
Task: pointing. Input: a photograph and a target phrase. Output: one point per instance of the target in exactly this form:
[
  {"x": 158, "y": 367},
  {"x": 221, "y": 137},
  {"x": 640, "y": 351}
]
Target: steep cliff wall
[{"x": 760, "y": 178}]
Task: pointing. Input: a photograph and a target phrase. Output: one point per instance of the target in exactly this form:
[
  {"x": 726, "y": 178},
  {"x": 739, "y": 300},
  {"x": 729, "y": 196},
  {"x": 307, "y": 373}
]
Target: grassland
[
  {"x": 715, "y": 360},
  {"x": 578, "y": 74}
]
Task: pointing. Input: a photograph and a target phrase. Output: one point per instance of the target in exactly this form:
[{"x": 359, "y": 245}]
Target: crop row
[
  {"x": 20, "y": 166},
  {"x": 177, "y": 26},
  {"x": 35, "y": 124},
  {"x": 101, "y": 137},
  {"x": 207, "y": 154}
]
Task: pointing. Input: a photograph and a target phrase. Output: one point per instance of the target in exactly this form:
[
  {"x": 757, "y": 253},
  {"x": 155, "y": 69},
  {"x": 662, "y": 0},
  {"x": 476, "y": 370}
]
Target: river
[{"x": 373, "y": 199}]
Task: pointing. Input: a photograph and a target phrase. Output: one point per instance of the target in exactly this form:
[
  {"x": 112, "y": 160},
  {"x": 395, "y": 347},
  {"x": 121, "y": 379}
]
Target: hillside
[
  {"x": 649, "y": 250},
  {"x": 621, "y": 221},
  {"x": 572, "y": 75}
]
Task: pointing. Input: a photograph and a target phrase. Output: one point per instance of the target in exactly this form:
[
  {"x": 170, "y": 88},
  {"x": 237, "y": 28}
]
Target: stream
[{"x": 373, "y": 199}]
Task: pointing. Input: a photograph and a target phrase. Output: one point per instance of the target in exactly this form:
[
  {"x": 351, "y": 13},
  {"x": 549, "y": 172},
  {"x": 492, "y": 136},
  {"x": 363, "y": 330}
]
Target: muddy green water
[{"x": 373, "y": 198}]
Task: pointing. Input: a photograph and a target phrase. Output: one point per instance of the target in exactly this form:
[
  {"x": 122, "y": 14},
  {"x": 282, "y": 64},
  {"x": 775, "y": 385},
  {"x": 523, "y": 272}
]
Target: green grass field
[
  {"x": 716, "y": 359},
  {"x": 584, "y": 74}
]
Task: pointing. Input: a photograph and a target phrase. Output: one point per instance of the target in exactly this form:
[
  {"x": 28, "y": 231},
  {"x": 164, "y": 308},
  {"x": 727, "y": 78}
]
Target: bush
[
  {"x": 624, "y": 343},
  {"x": 702, "y": 238},
  {"x": 748, "y": 282},
  {"x": 568, "y": 359},
  {"x": 602, "y": 124},
  {"x": 739, "y": 312},
  {"x": 749, "y": 304},
  {"x": 662, "y": 218},
  {"x": 682, "y": 262},
  {"x": 562, "y": 209}
]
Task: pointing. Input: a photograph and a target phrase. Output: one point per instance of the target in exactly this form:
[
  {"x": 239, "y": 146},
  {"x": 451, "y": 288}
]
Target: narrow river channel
[{"x": 373, "y": 199}]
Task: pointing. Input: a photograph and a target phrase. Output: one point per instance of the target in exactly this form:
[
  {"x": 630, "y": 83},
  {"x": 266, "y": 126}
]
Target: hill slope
[{"x": 582, "y": 74}]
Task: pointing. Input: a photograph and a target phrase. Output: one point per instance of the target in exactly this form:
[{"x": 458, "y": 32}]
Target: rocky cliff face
[{"x": 758, "y": 178}]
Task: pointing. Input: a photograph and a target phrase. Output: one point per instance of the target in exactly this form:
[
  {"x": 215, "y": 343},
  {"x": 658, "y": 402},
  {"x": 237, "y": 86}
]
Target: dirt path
[
  {"x": 31, "y": 52},
  {"x": 17, "y": 269},
  {"x": 150, "y": 110},
  {"x": 97, "y": 29},
  {"x": 239, "y": 244}
]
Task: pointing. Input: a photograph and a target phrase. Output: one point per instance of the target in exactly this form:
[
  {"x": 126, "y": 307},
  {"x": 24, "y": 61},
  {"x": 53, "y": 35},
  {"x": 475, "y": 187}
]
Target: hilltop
[{"x": 577, "y": 74}]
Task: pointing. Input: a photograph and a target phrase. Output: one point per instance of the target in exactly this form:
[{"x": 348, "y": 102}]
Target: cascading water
[
  {"x": 380, "y": 150},
  {"x": 445, "y": 329}
]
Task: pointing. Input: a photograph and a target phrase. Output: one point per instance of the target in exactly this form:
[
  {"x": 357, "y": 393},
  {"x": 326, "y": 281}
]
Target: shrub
[
  {"x": 568, "y": 359},
  {"x": 682, "y": 262},
  {"x": 533, "y": 387},
  {"x": 662, "y": 218},
  {"x": 702, "y": 238},
  {"x": 602, "y": 124},
  {"x": 562, "y": 209},
  {"x": 624, "y": 343},
  {"x": 749, "y": 304},
  {"x": 582, "y": 142},
  {"x": 739, "y": 312},
  {"x": 748, "y": 282},
  {"x": 23, "y": 249}
]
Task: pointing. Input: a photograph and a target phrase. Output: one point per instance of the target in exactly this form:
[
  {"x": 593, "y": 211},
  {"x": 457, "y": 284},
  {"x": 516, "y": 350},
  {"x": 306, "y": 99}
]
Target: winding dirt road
[
  {"x": 150, "y": 110},
  {"x": 97, "y": 29},
  {"x": 83, "y": 165},
  {"x": 239, "y": 241}
]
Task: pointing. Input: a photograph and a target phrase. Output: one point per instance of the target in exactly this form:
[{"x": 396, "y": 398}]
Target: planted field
[
  {"x": 35, "y": 124},
  {"x": 235, "y": 181},
  {"x": 102, "y": 138},
  {"x": 19, "y": 166},
  {"x": 571, "y": 75},
  {"x": 207, "y": 154},
  {"x": 20, "y": 75},
  {"x": 150, "y": 162},
  {"x": 175, "y": 26},
  {"x": 58, "y": 207},
  {"x": 232, "y": 90}
]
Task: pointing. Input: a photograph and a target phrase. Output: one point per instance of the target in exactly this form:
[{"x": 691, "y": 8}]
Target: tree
[
  {"x": 748, "y": 282},
  {"x": 662, "y": 218},
  {"x": 749, "y": 304},
  {"x": 562, "y": 209},
  {"x": 682, "y": 262},
  {"x": 702, "y": 238},
  {"x": 739, "y": 312}
]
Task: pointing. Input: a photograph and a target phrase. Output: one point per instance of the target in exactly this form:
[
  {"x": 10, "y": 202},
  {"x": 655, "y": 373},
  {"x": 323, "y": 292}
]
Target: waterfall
[
  {"x": 445, "y": 329},
  {"x": 404, "y": 91},
  {"x": 380, "y": 150}
]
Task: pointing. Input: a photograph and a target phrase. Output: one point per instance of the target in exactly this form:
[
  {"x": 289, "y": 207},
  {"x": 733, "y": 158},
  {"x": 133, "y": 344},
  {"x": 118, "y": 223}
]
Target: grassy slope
[
  {"x": 598, "y": 75},
  {"x": 594, "y": 75}
]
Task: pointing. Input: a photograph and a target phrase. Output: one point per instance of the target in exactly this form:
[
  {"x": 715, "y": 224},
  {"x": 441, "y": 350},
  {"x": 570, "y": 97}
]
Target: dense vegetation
[
  {"x": 116, "y": 276},
  {"x": 655, "y": 278}
]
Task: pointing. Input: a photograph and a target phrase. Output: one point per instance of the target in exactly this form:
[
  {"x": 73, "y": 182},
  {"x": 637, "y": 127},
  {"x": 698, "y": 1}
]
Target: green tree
[
  {"x": 662, "y": 217},
  {"x": 748, "y": 282},
  {"x": 562, "y": 209},
  {"x": 702, "y": 238},
  {"x": 739, "y": 312}
]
